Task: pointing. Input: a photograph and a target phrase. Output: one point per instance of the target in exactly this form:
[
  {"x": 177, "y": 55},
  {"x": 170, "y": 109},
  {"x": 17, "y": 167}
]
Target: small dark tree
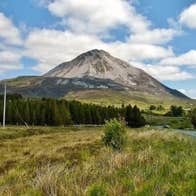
[
  {"x": 160, "y": 108},
  {"x": 193, "y": 117},
  {"x": 175, "y": 111},
  {"x": 138, "y": 118},
  {"x": 152, "y": 107},
  {"x": 129, "y": 115},
  {"x": 134, "y": 117}
]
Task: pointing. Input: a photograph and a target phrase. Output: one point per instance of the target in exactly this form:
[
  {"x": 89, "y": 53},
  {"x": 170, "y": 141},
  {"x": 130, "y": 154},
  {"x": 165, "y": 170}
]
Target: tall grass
[{"x": 77, "y": 163}]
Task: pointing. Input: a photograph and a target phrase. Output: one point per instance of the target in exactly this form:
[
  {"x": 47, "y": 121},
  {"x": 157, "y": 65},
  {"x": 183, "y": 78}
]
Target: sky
[{"x": 155, "y": 35}]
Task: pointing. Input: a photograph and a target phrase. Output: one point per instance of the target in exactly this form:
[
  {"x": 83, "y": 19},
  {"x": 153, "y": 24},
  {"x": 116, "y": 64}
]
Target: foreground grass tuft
[{"x": 76, "y": 163}]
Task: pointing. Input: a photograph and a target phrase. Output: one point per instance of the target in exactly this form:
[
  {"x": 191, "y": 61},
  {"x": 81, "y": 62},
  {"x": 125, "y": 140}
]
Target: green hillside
[{"x": 110, "y": 97}]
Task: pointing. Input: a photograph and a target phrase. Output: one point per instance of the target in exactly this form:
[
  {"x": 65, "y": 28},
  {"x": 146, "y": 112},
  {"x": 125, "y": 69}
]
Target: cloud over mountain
[{"x": 83, "y": 25}]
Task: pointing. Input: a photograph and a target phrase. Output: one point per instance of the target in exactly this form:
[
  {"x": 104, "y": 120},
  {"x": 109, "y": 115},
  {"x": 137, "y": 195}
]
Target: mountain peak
[
  {"x": 95, "y": 53},
  {"x": 99, "y": 64},
  {"x": 94, "y": 63}
]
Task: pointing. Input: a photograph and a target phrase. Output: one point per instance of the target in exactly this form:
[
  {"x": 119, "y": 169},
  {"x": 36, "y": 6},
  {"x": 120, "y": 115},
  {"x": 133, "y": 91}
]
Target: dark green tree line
[{"x": 54, "y": 112}]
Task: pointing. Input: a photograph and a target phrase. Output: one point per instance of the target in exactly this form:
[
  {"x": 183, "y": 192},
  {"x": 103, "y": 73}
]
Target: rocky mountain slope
[
  {"x": 93, "y": 70},
  {"x": 101, "y": 65}
]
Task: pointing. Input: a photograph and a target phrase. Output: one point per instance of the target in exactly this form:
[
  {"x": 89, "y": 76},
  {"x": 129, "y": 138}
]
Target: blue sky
[{"x": 157, "y": 36}]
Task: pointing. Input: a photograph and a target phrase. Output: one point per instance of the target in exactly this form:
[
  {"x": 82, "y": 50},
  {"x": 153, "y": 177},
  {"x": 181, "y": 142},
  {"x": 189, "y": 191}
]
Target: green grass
[
  {"x": 111, "y": 97},
  {"x": 22, "y": 81},
  {"x": 173, "y": 122},
  {"x": 73, "y": 161}
]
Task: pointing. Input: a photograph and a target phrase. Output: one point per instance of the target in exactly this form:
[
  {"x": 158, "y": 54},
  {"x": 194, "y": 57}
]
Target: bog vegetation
[
  {"x": 70, "y": 161},
  {"x": 91, "y": 161}
]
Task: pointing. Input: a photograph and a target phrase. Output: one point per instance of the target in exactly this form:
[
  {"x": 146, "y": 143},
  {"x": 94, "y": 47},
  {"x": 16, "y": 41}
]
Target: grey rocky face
[{"x": 100, "y": 64}]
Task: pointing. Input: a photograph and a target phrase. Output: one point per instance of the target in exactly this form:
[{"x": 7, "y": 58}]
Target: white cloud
[
  {"x": 188, "y": 16},
  {"x": 10, "y": 37},
  {"x": 138, "y": 52},
  {"x": 98, "y": 16},
  {"x": 9, "y": 61},
  {"x": 156, "y": 36},
  {"x": 8, "y": 32},
  {"x": 164, "y": 72},
  {"x": 188, "y": 58},
  {"x": 9, "y": 57},
  {"x": 52, "y": 47}
]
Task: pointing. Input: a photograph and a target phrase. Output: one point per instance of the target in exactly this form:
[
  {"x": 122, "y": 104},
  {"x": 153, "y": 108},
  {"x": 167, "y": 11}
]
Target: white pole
[{"x": 4, "y": 106}]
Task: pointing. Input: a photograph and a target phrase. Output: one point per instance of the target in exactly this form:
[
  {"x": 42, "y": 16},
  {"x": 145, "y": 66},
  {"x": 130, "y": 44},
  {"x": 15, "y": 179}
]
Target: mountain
[
  {"x": 94, "y": 71},
  {"x": 101, "y": 65}
]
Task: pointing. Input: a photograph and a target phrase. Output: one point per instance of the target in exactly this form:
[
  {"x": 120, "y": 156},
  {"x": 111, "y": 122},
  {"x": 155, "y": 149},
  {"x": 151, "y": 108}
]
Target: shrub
[
  {"x": 193, "y": 117},
  {"x": 175, "y": 111},
  {"x": 152, "y": 107},
  {"x": 115, "y": 135},
  {"x": 97, "y": 190},
  {"x": 160, "y": 108},
  {"x": 134, "y": 117},
  {"x": 181, "y": 123}
]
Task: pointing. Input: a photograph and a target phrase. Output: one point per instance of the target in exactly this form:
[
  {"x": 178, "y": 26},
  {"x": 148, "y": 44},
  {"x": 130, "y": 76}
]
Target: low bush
[
  {"x": 97, "y": 190},
  {"x": 115, "y": 135},
  {"x": 175, "y": 111}
]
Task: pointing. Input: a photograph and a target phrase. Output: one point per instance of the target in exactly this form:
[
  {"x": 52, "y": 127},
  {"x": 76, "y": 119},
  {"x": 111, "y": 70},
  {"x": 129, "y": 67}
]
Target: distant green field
[
  {"x": 73, "y": 161},
  {"x": 21, "y": 81},
  {"x": 173, "y": 122},
  {"x": 109, "y": 97}
]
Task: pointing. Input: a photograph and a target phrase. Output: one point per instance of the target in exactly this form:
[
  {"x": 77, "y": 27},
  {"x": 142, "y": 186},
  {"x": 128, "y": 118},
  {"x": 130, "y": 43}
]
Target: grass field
[
  {"x": 117, "y": 98},
  {"x": 73, "y": 161},
  {"x": 172, "y": 122}
]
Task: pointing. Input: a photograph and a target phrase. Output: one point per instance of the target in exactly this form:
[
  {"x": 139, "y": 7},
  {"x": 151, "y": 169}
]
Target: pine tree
[
  {"x": 129, "y": 115},
  {"x": 26, "y": 112},
  {"x": 134, "y": 117},
  {"x": 65, "y": 114}
]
